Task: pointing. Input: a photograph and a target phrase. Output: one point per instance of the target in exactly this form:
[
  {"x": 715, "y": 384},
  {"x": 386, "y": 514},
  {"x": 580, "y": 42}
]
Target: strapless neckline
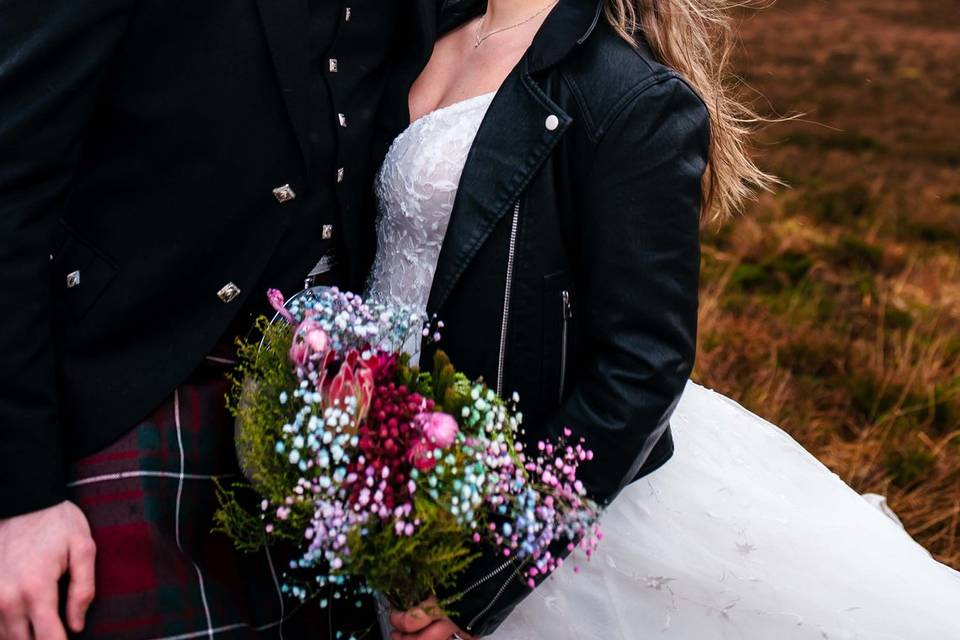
[{"x": 416, "y": 190}]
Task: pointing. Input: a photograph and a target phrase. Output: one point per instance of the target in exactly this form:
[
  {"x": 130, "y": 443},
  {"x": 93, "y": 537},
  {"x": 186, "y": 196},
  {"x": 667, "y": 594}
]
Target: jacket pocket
[
  {"x": 81, "y": 274},
  {"x": 559, "y": 336}
]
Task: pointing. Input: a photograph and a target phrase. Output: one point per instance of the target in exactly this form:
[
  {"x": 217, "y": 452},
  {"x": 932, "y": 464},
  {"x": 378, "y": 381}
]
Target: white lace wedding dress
[{"x": 743, "y": 534}]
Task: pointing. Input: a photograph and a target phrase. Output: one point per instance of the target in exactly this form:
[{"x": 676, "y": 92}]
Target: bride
[{"x": 544, "y": 205}]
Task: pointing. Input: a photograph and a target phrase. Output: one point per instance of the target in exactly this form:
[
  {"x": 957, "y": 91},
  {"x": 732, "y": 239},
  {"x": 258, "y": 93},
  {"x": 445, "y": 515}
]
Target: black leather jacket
[{"x": 570, "y": 266}]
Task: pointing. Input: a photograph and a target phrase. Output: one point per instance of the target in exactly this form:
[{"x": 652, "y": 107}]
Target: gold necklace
[{"x": 479, "y": 39}]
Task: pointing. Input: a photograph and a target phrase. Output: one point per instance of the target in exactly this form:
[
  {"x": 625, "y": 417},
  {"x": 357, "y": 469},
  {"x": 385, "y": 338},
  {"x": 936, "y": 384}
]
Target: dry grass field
[{"x": 832, "y": 308}]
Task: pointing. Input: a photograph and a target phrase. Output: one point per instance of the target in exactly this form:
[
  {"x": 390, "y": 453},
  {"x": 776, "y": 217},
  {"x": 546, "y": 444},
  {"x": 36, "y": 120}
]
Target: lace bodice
[{"x": 416, "y": 188}]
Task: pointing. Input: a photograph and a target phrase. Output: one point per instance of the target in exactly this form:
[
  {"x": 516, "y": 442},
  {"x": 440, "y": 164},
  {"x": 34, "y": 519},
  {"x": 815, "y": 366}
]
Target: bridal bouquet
[{"x": 387, "y": 478}]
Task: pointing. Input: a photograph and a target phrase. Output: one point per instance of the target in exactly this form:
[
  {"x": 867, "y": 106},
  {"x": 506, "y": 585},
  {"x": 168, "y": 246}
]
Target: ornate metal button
[
  {"x": 73, "y": 279},
  {"x": 229, "y": 292},
  {"x": 552, "y": 122},
  {"x": 346, "y": 14},
  {"x": 333, "y": 65},
  {"x": 284, "y": 193},
  {"x": 343, "y": 119},
  {"x": 327, "y": 232},
  {"x": 340, "y": 174}
]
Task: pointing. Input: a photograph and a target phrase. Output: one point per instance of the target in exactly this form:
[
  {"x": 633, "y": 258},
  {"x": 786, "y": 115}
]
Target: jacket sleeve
[
  {"x": 53, "y": 53},
  {"x": 638, "y": 271}
]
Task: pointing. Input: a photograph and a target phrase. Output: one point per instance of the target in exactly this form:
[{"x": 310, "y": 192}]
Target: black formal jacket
[
  {"x": 141, "y": 142},
  {"x": 570, "y": 265}
]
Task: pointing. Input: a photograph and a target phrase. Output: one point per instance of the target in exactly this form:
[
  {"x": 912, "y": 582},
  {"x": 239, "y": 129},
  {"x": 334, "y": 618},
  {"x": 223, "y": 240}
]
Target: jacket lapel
[
  {"x": 512, "y": 143},
  {"x": 285, "y": 24}
]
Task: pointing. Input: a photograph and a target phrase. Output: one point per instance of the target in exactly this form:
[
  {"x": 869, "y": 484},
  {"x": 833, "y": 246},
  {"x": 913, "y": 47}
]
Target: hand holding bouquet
[{"x": 385, "y": 477}]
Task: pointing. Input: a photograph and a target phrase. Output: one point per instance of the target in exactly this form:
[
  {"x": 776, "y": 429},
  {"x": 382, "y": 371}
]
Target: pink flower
[
  {"x": 316, "y": 339},
  {"x": 421, "y": 455},
  {"x": 277, "y": 302},
  {"x": 440, "y": 429},
  {"x": 309, "y": 342},
  {"x": 355, "y": 379}
]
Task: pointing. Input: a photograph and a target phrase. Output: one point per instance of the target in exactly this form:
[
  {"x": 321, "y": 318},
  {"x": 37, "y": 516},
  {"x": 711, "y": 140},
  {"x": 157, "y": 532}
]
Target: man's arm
[{"x": 53, "y": 56}]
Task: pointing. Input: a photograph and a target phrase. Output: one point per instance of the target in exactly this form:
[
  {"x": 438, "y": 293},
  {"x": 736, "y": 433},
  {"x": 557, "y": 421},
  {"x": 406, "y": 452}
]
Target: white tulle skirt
[{"x": 743, "y": 534}]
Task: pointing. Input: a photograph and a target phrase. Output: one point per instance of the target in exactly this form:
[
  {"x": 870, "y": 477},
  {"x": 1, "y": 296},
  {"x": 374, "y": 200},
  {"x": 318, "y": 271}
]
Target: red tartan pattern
[{"x": 161, "y": 573}]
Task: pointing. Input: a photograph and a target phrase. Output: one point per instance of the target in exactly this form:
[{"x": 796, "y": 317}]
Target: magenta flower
[
  {"x": 310, "y": 342},
  {"x": 276, "y": 301},
  {"x": 440, "y": 429},
  {"x": 421, "y": 455}
]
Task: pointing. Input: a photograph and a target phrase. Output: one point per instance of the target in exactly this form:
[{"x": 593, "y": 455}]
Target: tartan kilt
[{"x": 161, "y": 573}]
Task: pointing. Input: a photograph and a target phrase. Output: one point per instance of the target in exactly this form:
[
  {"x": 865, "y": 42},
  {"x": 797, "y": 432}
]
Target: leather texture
[{"x": 604, "y": 150}]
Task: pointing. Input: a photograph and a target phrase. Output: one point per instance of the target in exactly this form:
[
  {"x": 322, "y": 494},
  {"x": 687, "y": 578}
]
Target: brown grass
[{"x": 832, "y": 308}]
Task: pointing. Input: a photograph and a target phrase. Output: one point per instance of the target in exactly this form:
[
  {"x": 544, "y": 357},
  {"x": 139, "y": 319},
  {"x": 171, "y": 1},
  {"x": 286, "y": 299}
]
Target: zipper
[
  {"x": 508, "y": 290},
  {"x": 496, "y": 596},
  {"x": 567, "y": 314},
  {"x": 489, "y": 576}
]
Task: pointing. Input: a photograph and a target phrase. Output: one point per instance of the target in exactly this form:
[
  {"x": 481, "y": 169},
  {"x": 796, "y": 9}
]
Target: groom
[{"x": 161, "y": 164}]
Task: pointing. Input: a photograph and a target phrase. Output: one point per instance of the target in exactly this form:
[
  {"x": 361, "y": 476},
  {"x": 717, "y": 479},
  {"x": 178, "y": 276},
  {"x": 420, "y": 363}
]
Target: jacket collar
[
  {"x": 569, "y": 24},
  {"x": 513, "y": 141}
]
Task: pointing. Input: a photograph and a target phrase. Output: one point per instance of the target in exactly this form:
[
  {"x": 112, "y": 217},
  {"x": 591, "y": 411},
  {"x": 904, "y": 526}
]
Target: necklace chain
[{"x": 479, "y": 39}]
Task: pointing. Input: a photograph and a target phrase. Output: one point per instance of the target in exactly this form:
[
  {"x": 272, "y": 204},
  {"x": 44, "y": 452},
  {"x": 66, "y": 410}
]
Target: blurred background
[{"x": 832, "y": 308}]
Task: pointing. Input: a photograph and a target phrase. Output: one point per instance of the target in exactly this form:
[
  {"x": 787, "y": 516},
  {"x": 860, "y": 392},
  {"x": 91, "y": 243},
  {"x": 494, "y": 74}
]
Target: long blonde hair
[{"x": 695, "y": 38}]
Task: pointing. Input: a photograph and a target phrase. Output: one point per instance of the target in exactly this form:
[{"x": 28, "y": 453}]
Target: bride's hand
[{"x": 425, "y": 622}]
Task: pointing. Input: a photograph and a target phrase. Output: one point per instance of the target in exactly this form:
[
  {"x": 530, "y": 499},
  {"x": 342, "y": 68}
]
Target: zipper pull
[{"x": 567, "y": 307}]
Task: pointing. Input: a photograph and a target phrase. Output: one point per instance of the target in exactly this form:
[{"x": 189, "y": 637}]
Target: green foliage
[
  {"x": 236, "y": 521},
  {"x": 262, "y": 375},
  {"x": 408, "y": 569}
]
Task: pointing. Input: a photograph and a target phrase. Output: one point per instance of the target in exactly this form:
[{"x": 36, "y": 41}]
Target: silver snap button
[
  {"x": 284, "y": 193},
  {"x": 333, "y": 65},
  {"x": 552, "y": 122},
  {"x": 73, "y": 279},
  {"x": 229, "y": 292}
]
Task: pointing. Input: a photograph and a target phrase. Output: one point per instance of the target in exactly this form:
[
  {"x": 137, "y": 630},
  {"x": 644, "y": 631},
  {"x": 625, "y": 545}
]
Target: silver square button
[
  {"x": 284, "y": 193},
  {"x": 73, "y": 279},
  {"x": 333, "y": 65},
  {"x": 229, "y": 292},
  {"x": 327, "y": 231}
]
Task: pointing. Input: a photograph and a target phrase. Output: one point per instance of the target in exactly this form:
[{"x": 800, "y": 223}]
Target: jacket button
[
  {"x": 73, "y": 279},
  {"x": 284, "y": 193},
  {"x": 327, "y": 231},
  {"x": 228, "y": 293},
  {"x": 552, "y": 122}
]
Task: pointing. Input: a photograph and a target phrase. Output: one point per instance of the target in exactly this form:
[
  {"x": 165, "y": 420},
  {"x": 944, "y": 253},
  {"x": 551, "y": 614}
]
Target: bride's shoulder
[{"x": 606, "y": 72}]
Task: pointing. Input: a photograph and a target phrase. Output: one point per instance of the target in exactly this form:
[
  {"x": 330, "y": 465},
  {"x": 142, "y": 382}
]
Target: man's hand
[
  {"x": 36, "y": 549},
  {"x": 425, "y": 622}
]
